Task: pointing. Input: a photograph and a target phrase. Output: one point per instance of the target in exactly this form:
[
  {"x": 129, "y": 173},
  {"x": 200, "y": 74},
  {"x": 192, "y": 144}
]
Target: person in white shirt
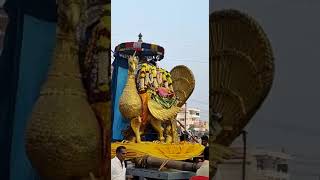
[
  {"x": 118, "y": 169},
  {"x": 204, "y": 169}
]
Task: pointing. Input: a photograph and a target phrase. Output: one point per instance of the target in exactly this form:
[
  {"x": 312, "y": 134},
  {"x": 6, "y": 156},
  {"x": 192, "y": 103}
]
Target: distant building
[
  {"x": 261, "y": 164},
  {"x": 193, "y": 121},
  {"x": 189, "y": 116},
  {"x": 3, "y": 25},
  {"x": 201, "y": 125}
]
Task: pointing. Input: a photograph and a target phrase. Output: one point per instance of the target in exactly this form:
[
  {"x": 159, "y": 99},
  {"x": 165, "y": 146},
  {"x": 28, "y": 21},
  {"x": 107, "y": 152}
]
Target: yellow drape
[{"x": 181, "y": 151}]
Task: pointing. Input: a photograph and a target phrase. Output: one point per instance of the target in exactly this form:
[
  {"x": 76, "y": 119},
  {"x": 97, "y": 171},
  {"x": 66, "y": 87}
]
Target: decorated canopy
[{"x": 141, "y": 49}]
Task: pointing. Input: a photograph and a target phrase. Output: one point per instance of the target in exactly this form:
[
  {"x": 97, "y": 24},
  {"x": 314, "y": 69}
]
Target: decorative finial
[{"x": 140, "y": 38}]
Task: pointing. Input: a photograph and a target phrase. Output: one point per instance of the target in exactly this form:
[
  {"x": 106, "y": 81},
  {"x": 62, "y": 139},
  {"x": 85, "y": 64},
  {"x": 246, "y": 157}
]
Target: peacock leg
[
  {"x": 156, "y": 124},
  {"x": 169, "y": 134},
  {"x": 133, "y": 140},
  {"x": 135, "y": 125},
  {"x": 174, "y": 132}
]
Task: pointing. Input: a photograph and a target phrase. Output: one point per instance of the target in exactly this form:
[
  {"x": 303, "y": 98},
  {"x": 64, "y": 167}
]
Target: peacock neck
[
  {"x": 131, "y": 73},
  {"x": 131, "y": 77},
  {"x": 64, "y": 71},
  {"x": 66, "y": 54}
]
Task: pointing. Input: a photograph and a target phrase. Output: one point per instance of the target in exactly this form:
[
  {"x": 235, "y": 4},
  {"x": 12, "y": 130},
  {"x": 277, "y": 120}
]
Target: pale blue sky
[{"x": 180, "y": 26}]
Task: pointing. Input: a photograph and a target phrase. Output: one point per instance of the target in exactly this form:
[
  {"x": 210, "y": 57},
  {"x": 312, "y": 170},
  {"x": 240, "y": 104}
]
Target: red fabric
[
  {"x": 164, "y": 92},
  {"x": 129, "y": 44},
  {"x": 137, "y": 49},
  {"x": 199, "y": 178}
]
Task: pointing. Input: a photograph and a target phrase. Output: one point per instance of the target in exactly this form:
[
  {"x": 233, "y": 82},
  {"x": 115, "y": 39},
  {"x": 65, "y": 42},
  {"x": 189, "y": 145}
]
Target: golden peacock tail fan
[
  {"x": 235, "y": 71},
  {"x": 183, "y": 83},
  {"x": 231, "y": 29},
  {"x": 241, "y": 65},
  {"x": 231, "y": 105},
  {"x": 233, "y": 110},
  {"x": 180, "y": 86}
]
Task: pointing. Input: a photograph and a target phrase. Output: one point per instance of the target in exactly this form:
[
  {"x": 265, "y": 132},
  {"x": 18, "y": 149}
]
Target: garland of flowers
[
  {"x": 96, "y": 63},
  {"x": 104, "y": 33},
  {"x": 158, "y": 83}
]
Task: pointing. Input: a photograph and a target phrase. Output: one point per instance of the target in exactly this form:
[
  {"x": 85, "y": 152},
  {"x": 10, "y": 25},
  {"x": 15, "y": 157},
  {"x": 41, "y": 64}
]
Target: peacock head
[
  {"x": 69, "y": 12},
  {"x": 133, "y": 64}
]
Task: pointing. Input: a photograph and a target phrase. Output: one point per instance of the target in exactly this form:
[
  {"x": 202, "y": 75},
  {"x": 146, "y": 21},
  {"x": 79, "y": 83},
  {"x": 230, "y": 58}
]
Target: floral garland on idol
[
  {"x": 157, "y": 82},
  {"x": 96, "y": 75}
]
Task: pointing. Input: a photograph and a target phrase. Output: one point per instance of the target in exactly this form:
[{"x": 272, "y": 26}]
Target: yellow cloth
[{"x": 179, "y": 151}]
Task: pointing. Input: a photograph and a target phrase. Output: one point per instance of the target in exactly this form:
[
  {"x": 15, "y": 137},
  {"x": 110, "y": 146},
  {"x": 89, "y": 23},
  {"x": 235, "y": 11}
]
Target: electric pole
[
  {"x": 244, "y": 138},
  {"x": 185, "y": 120}
]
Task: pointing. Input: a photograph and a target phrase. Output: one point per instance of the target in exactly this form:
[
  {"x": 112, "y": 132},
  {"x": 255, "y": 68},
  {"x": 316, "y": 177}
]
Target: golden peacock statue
[
  {"x": 66, "y": 135},
  {"x": 149, "y": 98},
  {"x": 155, "y": 96},
  {"x": 242, "y": 70}
]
